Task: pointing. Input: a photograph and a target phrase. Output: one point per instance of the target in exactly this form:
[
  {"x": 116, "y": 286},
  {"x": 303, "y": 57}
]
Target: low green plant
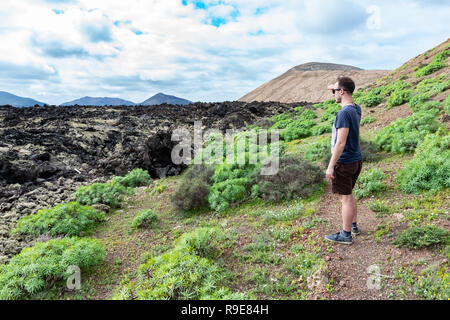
[
  {"x": 325, "y": 104},
  {"x": 230, "y": 184},
  {"x": 433, "y": 283},
  {"x": 368, "y": 119},
  {"x": 447, "y": 104},
  {"x": 320, "y": 129},
  {"x": 193, "y": 188},
  {"x": 379, "y": 206},
  {"x": 307, "y": 114},
  {"x": 68, "y": 219},
  {"x": 297, "y": 129},
  {"x": 369, "y": 182},
  {"x": 134, "y": 178},
  {"x": 369, "y": 99},
  {"x": 369, "y": 150},
  {"x": 330, "y": 112},
  {"x": 46, "y": 264},
  {"x": 403, "y": 135},
  {"x": 205, "y": 242},
  {"x": 107, "y": 193},
  {"x": 382, "y": 230},
  {"x": 319, "y": 151},
  {"x": 159, "y": 187},
  {"x": 436, "y": 64},
  {"x": 145, "y": 219},
  {"x": 395, "y": 86},
  {"x": 261, "y": 250},
  {"x": 296, "y": 177},
  {"x": 183, "y": 273},
  {"x": 399, "y": 97},
  {"x": 418, "y": 100},
  {"x": 430, "y": 167},
  {"x": 304, "y": 264},
  {"x": 283, "y": 215},
  {"x": 433, "y": 86},
  {"x": 419, "y": 237}
]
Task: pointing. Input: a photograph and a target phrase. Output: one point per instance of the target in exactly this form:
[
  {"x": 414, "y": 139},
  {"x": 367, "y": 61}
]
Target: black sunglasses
[{"x": 337, "y": 89}]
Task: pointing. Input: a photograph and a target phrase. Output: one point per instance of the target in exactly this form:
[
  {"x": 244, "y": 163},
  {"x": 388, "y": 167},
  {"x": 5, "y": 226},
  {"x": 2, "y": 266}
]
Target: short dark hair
[{"x": 346, "y": 83}]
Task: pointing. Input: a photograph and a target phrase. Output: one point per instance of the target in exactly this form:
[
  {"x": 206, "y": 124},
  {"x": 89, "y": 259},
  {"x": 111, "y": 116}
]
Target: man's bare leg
[{"x": 349, "y": 213}]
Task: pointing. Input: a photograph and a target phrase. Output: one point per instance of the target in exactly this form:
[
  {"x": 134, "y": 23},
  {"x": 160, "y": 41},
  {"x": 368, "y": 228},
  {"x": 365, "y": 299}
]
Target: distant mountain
[
  {"x": 99, "y": 102},
  {"x": 161, "y": 98},
  {"x": 309, "y": 82},
  {"x": 16, "y": 101}
]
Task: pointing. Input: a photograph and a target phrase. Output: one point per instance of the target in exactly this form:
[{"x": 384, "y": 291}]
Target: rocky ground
[{"x": 46, "y": 153}]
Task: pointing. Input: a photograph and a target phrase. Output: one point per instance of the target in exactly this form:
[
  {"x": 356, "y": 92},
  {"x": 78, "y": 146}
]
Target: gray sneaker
[
  {"x": 339, "y": 238},
  {"x": 356, "y": 231}
]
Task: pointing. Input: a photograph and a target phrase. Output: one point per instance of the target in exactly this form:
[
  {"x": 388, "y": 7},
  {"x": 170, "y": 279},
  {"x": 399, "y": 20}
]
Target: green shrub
[
  {"x": 159, "y": 187},
  {"x": 297, "y": 129},
  {"x": 447, "y": 105},
  {"x": 185, "y": 272},
  {"x": 145, "y": 219},
  {"x": 369, "y": 182},
  {"x": 282, "y": 124},
  {"x": 281, "y": 117},
  {"x": 231, "y": 183},
  {"x": 106, "y": 193},
  {"x": 193, "y": 189},
  {"x": 286, "y": 214},
  {"x": 38, "y": 267},
  {"x": 134, "y": 178},
  {"x": 325, "y": 104},
  {"x": 430, "y": 168},
  {"x": 429, "y": 105},
  {"x": 395, "y": 86},
  {"x": 430, "y": 68},
  {"x": 358, "y": 93},
  {"x": 319, "y": 151},
  {"x": 399, "y": 97},
  {"x": 368, "y": 119},
  {"x": 436, "y": 64},
  {"x": 418, "y": 100},
  {"x": 307, "y": 114},
  {"x": 304, "y": 264},
  {"x": 318, "y": 130},
  {"x": 433, "y": 86},
  {"x": 330, "y": 112},
  {"x": 296, "y": 177},
  {"x": 403, "y": 135},
  {"x": 433, "y": 283},
  {"x": 64, "y": 219},
  {"x": 369, "y": 150},
  {"x": 370, "y": 99},
  {"x": 379, "y": 206},
  {"x": 419, "y": 237},
  {"x": 204, "y": 242}
]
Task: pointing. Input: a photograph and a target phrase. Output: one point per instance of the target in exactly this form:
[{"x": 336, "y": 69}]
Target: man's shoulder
[{"x": 350, "y": 109}]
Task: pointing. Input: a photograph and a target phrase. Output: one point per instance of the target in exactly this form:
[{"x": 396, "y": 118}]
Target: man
[{"x": 346, "y": 160}]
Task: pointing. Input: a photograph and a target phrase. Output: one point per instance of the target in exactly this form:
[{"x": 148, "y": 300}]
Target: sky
[{"x": 56, "y": 51}]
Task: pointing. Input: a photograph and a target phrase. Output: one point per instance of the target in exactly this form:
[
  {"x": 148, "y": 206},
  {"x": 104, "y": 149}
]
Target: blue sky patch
[
  {"x": 212, "y": 19},
  {"x": 57, "y": 11},
  {"x": 97, "y": 32}
]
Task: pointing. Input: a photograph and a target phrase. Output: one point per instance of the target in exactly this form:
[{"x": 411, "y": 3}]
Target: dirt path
[{"x": 348, "y": 264}]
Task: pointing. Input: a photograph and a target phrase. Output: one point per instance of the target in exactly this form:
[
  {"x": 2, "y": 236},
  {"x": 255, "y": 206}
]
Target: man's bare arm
[{"x": 342, "y": 134}]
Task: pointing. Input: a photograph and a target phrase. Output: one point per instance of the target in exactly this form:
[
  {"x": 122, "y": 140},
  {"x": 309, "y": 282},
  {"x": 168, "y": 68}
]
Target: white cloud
[{"x": 97, "y": 47}]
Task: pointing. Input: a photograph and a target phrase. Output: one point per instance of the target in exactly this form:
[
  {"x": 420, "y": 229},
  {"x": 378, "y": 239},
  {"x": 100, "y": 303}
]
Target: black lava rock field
[{"x": 46, "y": 153}]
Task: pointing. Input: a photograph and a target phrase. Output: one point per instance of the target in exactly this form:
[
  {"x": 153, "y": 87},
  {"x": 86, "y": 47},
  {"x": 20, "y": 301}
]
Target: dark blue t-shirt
[{"x": 348, "y": 117}]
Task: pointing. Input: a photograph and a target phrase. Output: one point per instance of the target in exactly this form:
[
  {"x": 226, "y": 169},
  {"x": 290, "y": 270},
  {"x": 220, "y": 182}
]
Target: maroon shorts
[{"x": 345, "y": 175}]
